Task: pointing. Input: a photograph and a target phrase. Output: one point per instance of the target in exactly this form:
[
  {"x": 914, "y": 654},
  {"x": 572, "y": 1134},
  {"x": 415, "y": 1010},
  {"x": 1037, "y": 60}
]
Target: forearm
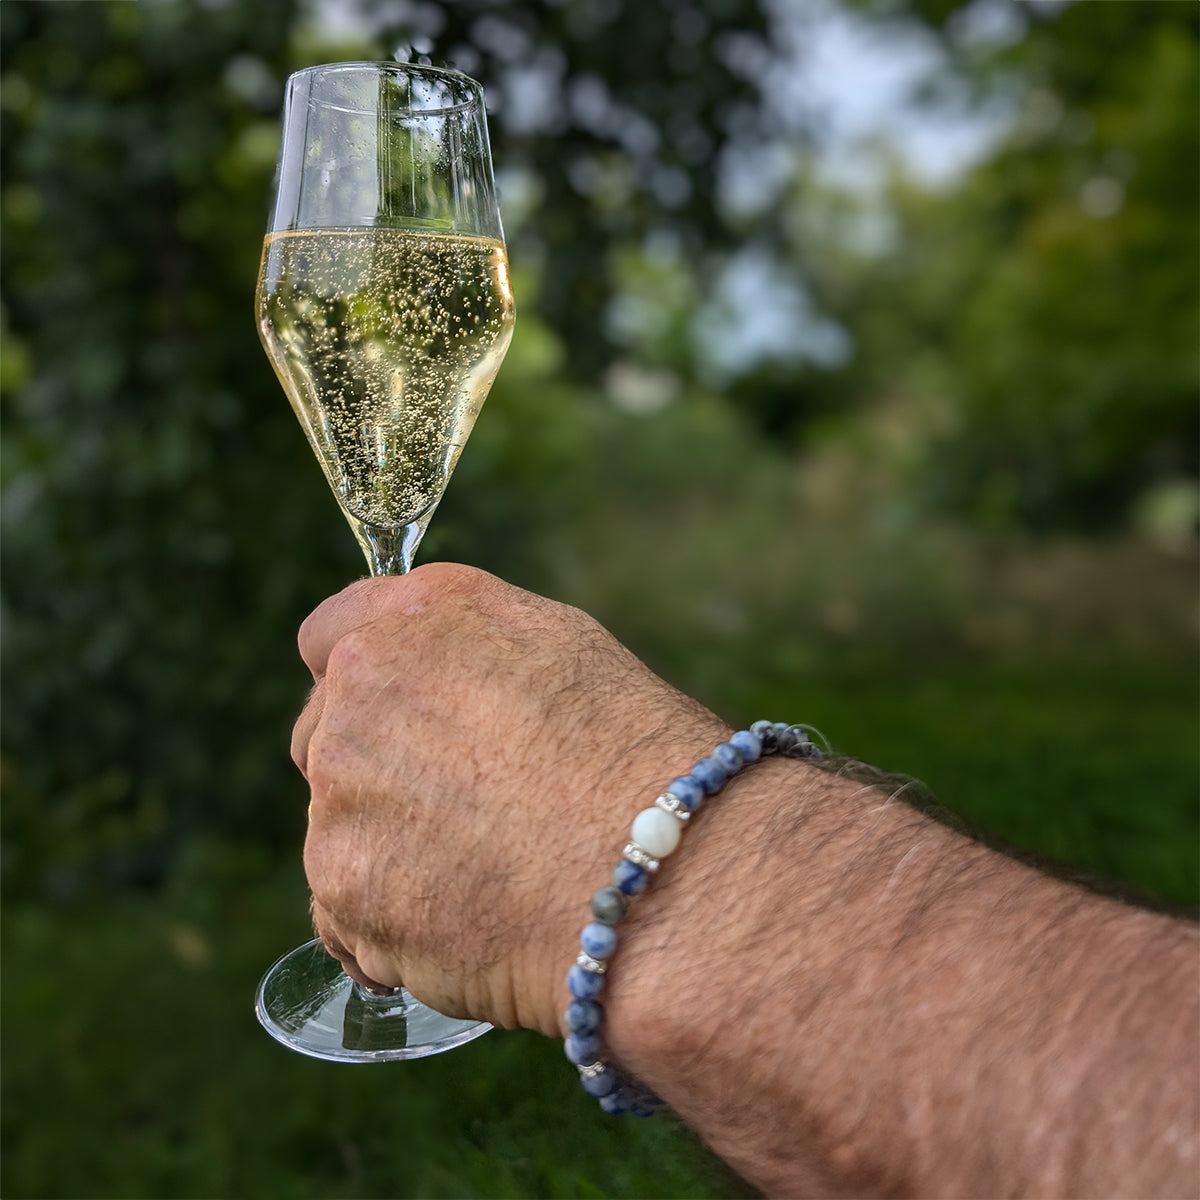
[
  {"x": 840, "y": 994},
  {"x": 843, "y": 996}
]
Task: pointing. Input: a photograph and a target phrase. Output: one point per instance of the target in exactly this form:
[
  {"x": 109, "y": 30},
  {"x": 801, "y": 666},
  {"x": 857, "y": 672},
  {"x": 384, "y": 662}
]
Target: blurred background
[{"x": 854, "y": 382}]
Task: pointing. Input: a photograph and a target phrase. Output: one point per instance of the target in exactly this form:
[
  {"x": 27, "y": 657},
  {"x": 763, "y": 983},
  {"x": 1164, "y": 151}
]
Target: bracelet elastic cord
[{"x": 655, "y": 834}]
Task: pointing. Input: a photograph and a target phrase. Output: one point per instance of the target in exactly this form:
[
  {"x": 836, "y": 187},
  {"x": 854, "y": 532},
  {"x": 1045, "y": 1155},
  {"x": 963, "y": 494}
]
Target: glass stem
[
  {"x": 384, "y": 997},
  {"x": 390, "y": 549}
]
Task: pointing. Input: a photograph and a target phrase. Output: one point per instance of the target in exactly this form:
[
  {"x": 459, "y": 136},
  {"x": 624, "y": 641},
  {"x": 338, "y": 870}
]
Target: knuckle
[
  {"x": 353, "y": 656},
  {"x": 333, "y": 887},
  {"x": 378, "y": 963},
  {"x": 299, "y": 751},
  {"x": 306, "y": 636},
  {"x": 432, "y": 581},
  {"x": 354, "y": 604},
  {"x": 326, "y": 766}
]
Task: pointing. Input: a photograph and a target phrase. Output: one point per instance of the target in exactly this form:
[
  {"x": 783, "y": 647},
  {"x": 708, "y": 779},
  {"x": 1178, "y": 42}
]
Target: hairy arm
[
  {"x": 840, "y": 994},
  {"x": 846, "y": 997}
]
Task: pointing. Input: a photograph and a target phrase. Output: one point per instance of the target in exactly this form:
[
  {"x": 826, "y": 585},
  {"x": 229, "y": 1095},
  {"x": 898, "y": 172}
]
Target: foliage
[
  {"x": 616, "y": 117},
  {"x": 153, "y": 543},
  {"x": 1055, "y": 289}
]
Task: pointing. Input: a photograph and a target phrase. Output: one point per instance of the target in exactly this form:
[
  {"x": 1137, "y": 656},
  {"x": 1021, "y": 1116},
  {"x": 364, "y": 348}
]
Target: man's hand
[
  {"x": 475, "y": 754},
  {"x": 840, "y": 994}
]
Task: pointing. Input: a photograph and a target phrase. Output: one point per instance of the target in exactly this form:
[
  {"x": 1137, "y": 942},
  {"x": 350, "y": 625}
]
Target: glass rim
[{"x": 421, "y": 70}]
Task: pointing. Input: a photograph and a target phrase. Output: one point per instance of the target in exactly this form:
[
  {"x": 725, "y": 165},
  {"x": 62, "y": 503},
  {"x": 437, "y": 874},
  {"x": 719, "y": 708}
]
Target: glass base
[{"x": 307, "y": 1002}]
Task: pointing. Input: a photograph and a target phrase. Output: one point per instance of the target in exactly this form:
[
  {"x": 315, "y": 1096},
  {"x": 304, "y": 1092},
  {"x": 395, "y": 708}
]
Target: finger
[
  {"x": 387, "y": 977},
  {"x": 351, "y": 608},
  {"x": 306, "y": 726},
  {"x": 362, "y": 602}
]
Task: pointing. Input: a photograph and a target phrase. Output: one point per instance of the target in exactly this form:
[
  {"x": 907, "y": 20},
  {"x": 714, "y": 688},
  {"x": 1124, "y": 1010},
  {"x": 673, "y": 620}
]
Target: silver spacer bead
[
  {"x": 591, "y": 1070},
  {"x": 588, "y": 963},
  {"x": 674, "y": 806},
  {"x": 640, "y": 857}
]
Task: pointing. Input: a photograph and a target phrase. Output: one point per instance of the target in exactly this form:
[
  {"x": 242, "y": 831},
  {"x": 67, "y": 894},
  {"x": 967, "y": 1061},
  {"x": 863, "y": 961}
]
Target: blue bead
[
  {"x": 584, "y": 985},
  {"x": 630, "y": 878},
  {"x": 749, "y": 743},
  {"x": 616, "y": 1102},
  {"x": 584, "y": 1016},
  {"x": 766, "y": 731},
  {"x": 794, "y": 741},
  {"x": 582, "y": 1048},
  {"x": 730, "y": 757},
  {"x": 801, "y": 736},
  {"x": 710, "y": 775},
  {"x": 687, "y": 791},
  {"x": 600, "y": 1085},
  {"x": 598, "y": 940}
]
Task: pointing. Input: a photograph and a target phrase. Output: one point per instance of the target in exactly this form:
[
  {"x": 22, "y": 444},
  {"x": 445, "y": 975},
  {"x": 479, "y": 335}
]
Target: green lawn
[
  {"x": 133, "y": 1066},
  {"x": 1095, "y": 767}
]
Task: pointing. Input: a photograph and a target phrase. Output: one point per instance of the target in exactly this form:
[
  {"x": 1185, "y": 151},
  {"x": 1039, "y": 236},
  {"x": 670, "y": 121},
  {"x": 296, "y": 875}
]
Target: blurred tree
[
  {"x": 155, "y": 551},
  {"x": 643, "y": 144},
  {"x": 164, "y": 525},
  {"x": 1051, "y": 297},
  {"x": 616, "y": 123}
]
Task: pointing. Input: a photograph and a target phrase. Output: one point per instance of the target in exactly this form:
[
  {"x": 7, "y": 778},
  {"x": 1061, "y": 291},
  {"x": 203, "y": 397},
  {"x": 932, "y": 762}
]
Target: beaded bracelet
[{"x": 655, "y": 834}]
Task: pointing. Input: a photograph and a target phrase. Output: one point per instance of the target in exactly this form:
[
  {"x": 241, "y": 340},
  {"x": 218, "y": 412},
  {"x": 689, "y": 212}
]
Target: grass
[
  {"x": 133, "y": 1066},
  {"x": 1090, "y": 766}
]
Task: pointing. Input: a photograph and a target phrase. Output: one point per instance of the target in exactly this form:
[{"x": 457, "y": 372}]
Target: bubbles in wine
[{"x": 386, "y": 342}]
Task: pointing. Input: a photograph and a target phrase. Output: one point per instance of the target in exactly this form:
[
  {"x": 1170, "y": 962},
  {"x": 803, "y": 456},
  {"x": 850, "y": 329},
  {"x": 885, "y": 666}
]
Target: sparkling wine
[{"x": 386, "y": 342}]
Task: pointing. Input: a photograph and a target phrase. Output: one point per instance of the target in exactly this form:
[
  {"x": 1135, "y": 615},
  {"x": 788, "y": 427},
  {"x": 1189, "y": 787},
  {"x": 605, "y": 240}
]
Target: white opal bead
[{"x": 656, "y": 831}]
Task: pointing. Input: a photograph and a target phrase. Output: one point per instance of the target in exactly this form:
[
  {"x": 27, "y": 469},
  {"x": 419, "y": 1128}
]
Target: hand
[{"x": 475, "y": 755}]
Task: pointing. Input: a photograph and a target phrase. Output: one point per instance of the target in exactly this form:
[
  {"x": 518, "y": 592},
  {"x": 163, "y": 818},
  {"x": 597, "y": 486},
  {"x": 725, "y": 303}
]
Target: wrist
[
  {"x": 603, "y": 817},
  {"x": 843, "y": 996},
  {"x": 730, "y": 995},
  {"x": 646, "y": 1007},
  {"x": 687, "y": 950}
]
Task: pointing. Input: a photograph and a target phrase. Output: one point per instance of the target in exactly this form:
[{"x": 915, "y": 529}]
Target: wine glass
[{"x": 385, "y": 307}]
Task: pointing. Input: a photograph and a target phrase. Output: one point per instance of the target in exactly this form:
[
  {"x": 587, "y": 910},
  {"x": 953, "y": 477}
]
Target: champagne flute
[{"x": 385, "y": 307}]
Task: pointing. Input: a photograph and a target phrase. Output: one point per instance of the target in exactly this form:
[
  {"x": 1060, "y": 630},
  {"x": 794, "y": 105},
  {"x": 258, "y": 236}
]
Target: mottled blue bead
[
  {"x": 584, "y": 985},
  {"x": 766, "y": 732},
  {"x": 600, "y": 1085},
  {"x": 639, "y": 1108},
  {"x": 582, "y": 1048},
  {"x": 630, "y": 878},
  {"x": 748, "y": 743},
  {"x": 616, "y": 1102},
  {"x": 598, "y": 940},
  {"x": 584, "y": 1016},
  {"x": 730, "y": 757},
  {"x": 795, "y": 742},
  {"x": 687, "y": 791},
  {"x": 802, "y": 737},
  {"x": 710, "y": 775},
  {"x": 787, "y": 740}
]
